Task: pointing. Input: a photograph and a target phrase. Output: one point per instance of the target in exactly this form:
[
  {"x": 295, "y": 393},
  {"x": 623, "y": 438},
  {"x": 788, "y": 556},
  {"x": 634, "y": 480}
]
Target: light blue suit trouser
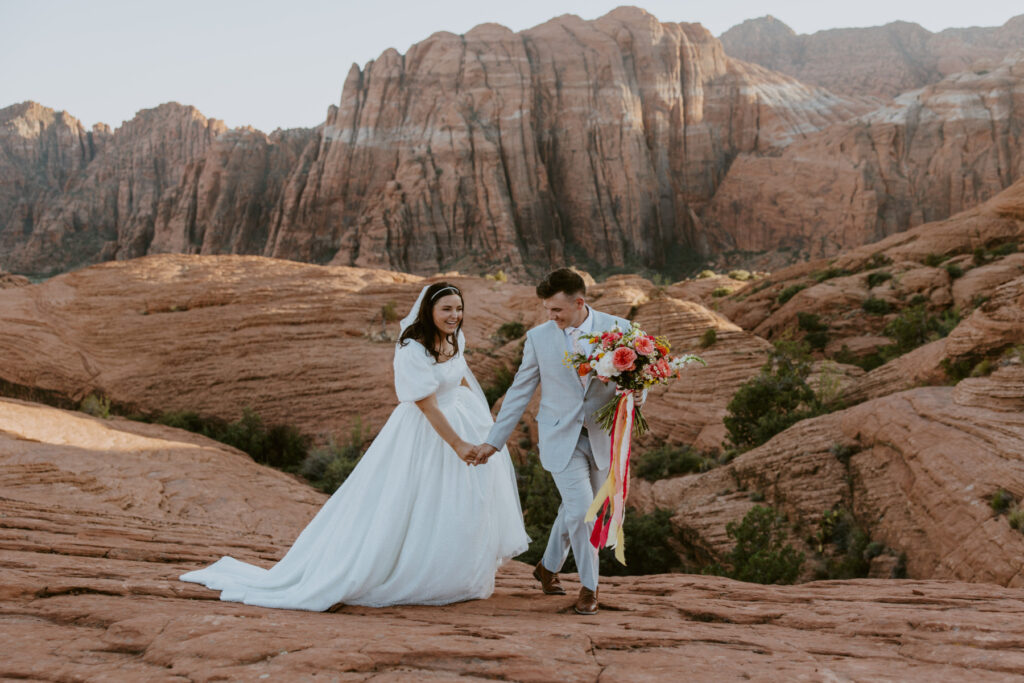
[{"x": 577, "y": 484}]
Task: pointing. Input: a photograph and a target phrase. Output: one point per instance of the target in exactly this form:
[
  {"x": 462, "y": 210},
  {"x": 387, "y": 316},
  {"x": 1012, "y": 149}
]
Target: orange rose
[{"x": 584, "y": 370}]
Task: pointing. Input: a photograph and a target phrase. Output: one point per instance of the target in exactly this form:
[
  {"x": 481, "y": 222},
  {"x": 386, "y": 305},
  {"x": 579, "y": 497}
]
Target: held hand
[
  {"x": 466, "y": 452},
  {"x": 640, "y": 396},
  {"x": 483, "y": 453}
]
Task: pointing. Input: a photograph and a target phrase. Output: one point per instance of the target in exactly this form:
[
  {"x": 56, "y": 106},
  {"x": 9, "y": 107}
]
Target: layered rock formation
[
  {"x": 880, "y": 61},
  {"x": 590, "y": 141},
  {"x": 924, "y": 157},
  {"x": 100, "y": 517}
]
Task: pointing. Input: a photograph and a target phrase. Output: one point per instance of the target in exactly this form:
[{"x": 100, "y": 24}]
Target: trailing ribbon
[{"x": 609, "y": 506}]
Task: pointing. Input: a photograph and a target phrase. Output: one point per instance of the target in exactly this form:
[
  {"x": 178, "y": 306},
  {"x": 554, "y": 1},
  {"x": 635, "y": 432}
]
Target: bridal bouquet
[{"x": 634, "y": 360}]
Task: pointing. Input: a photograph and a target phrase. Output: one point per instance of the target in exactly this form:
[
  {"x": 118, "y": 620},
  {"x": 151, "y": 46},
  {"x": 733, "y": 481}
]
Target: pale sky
[{"x": 280, "y": 64}]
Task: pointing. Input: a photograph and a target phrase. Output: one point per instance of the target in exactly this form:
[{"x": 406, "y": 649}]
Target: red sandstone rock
[
  {"x": 927, "y": 155},
  {"x": 881, "y": 61},
  {"x": 99, "y": 517}
]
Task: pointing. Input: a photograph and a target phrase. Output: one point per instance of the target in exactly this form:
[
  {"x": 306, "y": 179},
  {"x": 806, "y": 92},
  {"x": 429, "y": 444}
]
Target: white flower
[{"x": 606, "y": 366}]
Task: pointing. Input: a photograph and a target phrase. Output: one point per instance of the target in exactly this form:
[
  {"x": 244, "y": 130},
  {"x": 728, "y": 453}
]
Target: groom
[{"x": 573, "y": 447}]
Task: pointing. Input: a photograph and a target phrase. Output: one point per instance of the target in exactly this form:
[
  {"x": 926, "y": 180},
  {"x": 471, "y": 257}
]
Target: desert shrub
[
  {"x": 867, "y": 362},
  {"x": 876, "y": 306},
  {"x": 1001, "y": 500},
  {"x": 327, "y": 467},
  {"x": 502, "y": 381},
  {"x": 709, "y": 338},
  {"x": 389, "y": 313},
  {"x": 810, "y": 322},
  {"x": 670, "y": 461},
  {"x": 789, "y": 292},
  {"x": 1016, "y": 519},
  {"x": 955, "y": 270},
  {"x": 741, "y": 275},
  {"x": 509, "y": 331},
  {"x": 843, "y": 452},
  {"x": 1005, "y": 249},
  {"x": 934, "y": 260},
  {"x": 280, "y": 446},
  {"x": 829, "y": 273},
  {"x": 878, "y": 277},
  {"x": 774, "y": 399},
  {"x": 851, "y": 548},
  {"x": 96, "y": 405},
  {"x": 761, "y": 554},
  {"x": 756, "y": 496},
  {"x": 984, "y": 368},
  {"x": 499, "y": 276},
  {"x": 915, "y": 326},
  {"x": 704, "y": 274},
  {"x": 721, "y": 291},
  {"x": 878, "y": 260}
]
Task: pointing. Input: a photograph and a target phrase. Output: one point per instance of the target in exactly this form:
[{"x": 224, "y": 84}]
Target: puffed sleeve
[{"x": 414, "y": 372}]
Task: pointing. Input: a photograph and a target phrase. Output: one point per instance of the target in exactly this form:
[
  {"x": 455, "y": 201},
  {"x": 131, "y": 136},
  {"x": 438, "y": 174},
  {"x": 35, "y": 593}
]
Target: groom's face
[{"x": 565, "y": 310}]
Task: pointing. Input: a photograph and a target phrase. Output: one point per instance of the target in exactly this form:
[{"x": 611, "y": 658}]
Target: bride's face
[{"x": 448, "y": 313}]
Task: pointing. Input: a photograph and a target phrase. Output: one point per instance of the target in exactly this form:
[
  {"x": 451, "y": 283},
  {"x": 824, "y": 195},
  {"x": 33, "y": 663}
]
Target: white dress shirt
[{"x": 585, "y": 327}]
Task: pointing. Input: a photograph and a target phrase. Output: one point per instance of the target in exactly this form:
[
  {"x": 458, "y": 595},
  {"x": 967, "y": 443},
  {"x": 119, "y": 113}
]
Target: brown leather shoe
[
  {"x": 549, "y": 582},
  {"x": 587, "y": 602}
]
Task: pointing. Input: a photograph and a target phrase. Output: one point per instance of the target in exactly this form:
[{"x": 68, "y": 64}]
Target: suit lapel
[{"x": 558, "y": 348}]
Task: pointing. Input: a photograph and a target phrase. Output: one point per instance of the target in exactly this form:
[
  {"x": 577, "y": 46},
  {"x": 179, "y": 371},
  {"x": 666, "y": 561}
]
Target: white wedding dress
[{"x": 412, "y": 524}]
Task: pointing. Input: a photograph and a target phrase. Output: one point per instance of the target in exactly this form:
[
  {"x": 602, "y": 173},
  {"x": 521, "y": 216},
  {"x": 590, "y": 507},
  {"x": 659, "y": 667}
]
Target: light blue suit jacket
[{"x": 565, "y": 406}]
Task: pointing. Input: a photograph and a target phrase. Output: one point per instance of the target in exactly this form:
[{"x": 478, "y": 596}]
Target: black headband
[{"x": 454, "y": 290}]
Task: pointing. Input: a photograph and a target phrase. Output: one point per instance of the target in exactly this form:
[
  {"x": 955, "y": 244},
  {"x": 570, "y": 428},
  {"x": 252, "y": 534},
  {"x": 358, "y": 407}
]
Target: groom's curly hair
[
  {"x": 423, "y": 328},
  {"x": 565, "y": 280}
]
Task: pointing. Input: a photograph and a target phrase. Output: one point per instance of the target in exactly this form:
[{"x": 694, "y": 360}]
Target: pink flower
[
  {"x": 608, "y": 339},
  {"x": 661, "y": 369},
  {"x": 624, "y": 358},
  {"x": 644, "y": 346}
]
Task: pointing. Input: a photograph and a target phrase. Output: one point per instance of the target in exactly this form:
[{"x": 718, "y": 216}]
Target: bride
[{"x": 413, "y": 523}]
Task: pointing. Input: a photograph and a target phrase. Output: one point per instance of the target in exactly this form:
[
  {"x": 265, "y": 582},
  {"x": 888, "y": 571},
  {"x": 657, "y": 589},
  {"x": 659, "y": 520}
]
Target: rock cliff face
[
  {"x": 594, "y": 141},
  {"x": 924, "y": 157},
  {"x": 168, "y": 180},
  {"x": 881, "y": 61},
  {"x": 590, "y": 141}
]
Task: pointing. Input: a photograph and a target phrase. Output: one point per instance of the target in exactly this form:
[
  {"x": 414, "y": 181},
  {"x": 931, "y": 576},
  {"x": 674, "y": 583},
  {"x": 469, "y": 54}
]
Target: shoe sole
[{"x": 586, "y": 614}]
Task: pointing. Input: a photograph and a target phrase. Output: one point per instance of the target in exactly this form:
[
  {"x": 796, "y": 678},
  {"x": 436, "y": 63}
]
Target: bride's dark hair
[{"x": 423, "y": 328}]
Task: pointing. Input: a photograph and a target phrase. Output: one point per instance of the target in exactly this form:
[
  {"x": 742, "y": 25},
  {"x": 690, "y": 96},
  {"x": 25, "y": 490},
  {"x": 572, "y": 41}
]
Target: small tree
[
  {"x": 761, "y": 554},
  {"x": 773, "y": 400}
]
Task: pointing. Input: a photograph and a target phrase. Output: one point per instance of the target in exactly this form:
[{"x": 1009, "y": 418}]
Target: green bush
[
  {"x": 878, "y": 260},
  {"x": 1001, "y": 500},
  {"x": 327, "y": 467},
  {"x": 789, "y": 292},
  {"x": 280, "y": 446},
  {"x": 843, "y": 452},
  {"x": 1005, "y": 249},
  {"x": 721, "y": 291},
  {"x": 878, "y": 277},
  {"x": 709, "y": 338},
  {"x": 915, "y": 326},
  {"x": 97, "y": 406},
  {"x": 876, "y": 306},
  {"x": 1016, "y": 519},
  {"x": 867, "y": 362},
  {"x": 830, "y": 273},
  {"x": 934, "y": 260},
  {"x": 810, "y": 322},
  {"x": 850, "y": 557},
  {"x": 760, "y": 554},
  {"x": 502, "y": 381},
  {"x": 954, "y": 270},
  {"x": 389, "y": 313},
  {"x": 741, "y": 275},
  {"x": 509, "y": 331},
  {"x": 773, "y": 400},
  {"x": 705, "y": 274},
  {"x": 667, "y": 461}
]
